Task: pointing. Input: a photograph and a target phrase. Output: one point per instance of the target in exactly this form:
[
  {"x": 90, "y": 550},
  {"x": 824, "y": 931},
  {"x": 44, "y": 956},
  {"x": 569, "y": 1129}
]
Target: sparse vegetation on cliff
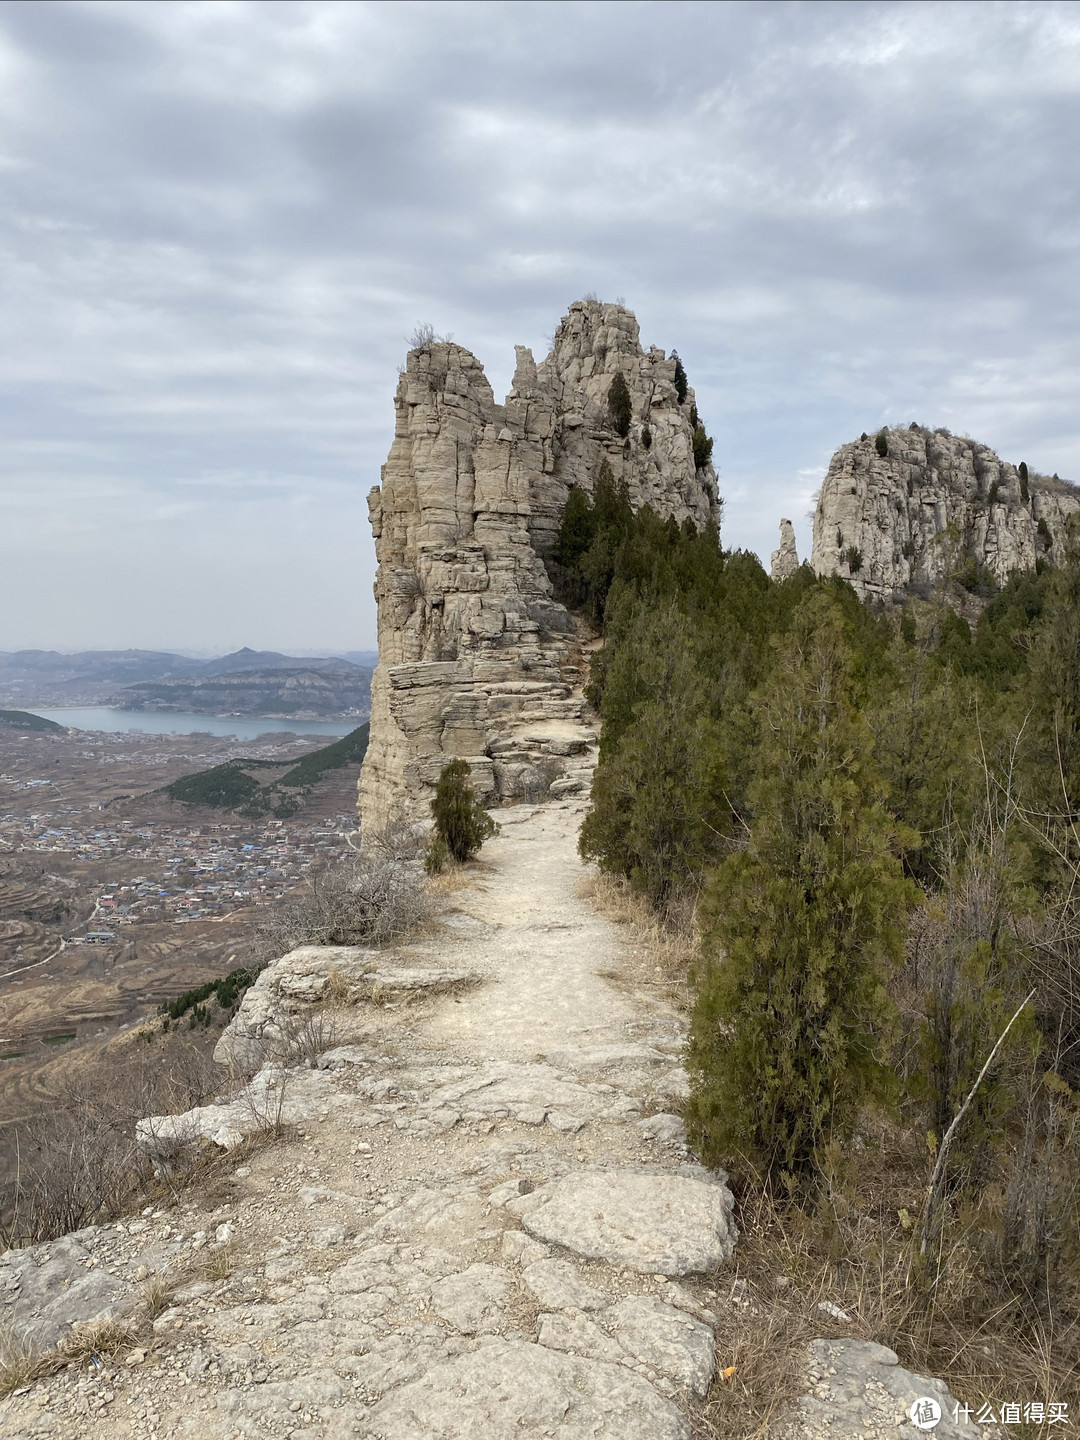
[
  {"x": 619, "y": 405},
  {"x": 703, "y": 447}
]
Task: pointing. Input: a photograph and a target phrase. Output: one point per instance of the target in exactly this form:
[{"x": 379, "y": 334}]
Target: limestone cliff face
[
  {"x": 934, "y": 501},
  {"x": 476, "y": 659}
]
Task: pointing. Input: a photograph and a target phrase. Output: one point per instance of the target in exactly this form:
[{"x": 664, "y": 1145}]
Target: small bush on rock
[
  {"x": 619, "y": 405},
  {"x": 881, "y": 443},
  {"x": 461, "y": 822},
  {"x": 703, "y": 447}
]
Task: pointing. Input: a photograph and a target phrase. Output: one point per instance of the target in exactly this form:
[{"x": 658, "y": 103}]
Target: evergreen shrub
[
  {"x": 619, "y": 405},
  {"x": 461, "y": 822}
]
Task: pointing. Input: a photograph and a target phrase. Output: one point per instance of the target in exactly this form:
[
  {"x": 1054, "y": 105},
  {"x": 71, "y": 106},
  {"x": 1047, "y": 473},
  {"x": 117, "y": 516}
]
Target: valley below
[{"x": 115, "y": 898}]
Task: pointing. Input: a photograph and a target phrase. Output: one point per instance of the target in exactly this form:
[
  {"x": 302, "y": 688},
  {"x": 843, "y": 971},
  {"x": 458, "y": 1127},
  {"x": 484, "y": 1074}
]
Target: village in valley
[{"x": 115, "y": 898}]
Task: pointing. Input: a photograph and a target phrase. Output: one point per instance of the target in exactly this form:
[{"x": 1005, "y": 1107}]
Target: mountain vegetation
[
  {"x": 869, "y": 819},
  {"x": 460, "y": 824},
  {"x": 254, "y": 788},
  {"x": 23, "y": 720}
]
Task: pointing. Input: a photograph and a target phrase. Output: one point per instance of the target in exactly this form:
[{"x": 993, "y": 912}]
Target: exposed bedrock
[
  {"x": 476, "y": 658},
  {"x": 933, "y": 503}
]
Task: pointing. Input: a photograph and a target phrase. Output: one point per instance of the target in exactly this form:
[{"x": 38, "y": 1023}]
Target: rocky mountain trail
[{"x": 480, "y": 1218}]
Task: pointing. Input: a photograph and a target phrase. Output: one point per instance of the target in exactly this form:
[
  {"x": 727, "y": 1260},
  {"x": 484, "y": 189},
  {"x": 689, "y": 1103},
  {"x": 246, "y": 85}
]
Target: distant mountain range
[{"x": 247, "y": 682}]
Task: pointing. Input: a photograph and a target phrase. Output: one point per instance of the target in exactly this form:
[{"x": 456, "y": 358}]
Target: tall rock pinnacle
[{"x": 476, "y": 659}]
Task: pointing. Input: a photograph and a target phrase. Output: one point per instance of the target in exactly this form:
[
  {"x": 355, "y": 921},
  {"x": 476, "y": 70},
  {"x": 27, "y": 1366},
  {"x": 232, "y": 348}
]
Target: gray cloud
[{"x": 219, "y": 223}]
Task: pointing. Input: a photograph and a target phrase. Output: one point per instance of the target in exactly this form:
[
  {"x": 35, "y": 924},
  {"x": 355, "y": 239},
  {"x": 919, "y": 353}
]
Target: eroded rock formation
[
  {"x": 785, "y": 560},
  {"x": 934, "y": 502},
  {"x": 476, "y": 658}
]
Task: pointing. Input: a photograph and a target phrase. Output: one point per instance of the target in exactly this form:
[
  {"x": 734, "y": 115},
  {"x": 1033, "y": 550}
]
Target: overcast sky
[{"x": 220, "y": 222}]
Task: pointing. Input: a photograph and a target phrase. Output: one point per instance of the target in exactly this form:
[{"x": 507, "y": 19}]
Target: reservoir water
[{"x": 179, "y": 722}]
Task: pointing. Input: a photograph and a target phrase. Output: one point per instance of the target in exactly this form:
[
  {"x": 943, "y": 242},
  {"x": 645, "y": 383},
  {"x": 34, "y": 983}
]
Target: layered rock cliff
[
  {"x": 930, "y": 505},
  {"x": 476, "y": 658}
]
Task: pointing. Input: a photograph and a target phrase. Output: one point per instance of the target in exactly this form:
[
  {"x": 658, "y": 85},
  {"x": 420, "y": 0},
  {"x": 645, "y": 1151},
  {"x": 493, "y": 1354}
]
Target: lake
[{"x": 180, "y": 722}]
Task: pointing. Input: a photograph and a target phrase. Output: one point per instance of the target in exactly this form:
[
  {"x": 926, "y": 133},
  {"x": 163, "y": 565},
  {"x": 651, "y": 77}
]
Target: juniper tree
[
  {"x": 619, "y": 405},
  {"x": 802, "y": 926},
  {"x": 461, "y": 822},
  {"x": 658, "y": 806}
]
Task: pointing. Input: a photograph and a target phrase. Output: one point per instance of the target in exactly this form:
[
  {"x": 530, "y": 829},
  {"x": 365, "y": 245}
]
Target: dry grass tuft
[
  {"x": 451, "y": 880},
  {"x": 155, "y": 1295},
  {"x": 220, "y": 1264},
  {"x": 659, "y": 953},
  {"x": 98, "y": 1339},
  {"x": 984, "y": 1339},
  {"x": 20, "y": 1363}
]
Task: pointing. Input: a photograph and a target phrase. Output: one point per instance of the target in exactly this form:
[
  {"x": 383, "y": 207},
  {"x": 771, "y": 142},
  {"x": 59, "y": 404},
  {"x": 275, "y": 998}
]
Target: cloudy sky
[{"x": 220, "y": 221}]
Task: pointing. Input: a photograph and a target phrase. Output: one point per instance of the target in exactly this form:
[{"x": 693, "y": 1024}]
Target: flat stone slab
[
  {"x": 667, "y": 1340},
  {"x": 514, "y": 1390},
  {"x": 274, "y": 1096},
  {"x": 47, "y": 1288},
  {"x": 655, "y": 1224},
  {"x": 585, "y": 1058},
  {"x": 859, "y": 1391},
  {"x": 557, "y": 1285}
]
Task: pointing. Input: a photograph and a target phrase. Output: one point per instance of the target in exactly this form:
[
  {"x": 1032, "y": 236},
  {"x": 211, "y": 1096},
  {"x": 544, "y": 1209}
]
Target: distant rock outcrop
[
  {"x": 911, "y": 506},
  {"x": 476, "y": 658},
  {"x": 785, "y": 561}
]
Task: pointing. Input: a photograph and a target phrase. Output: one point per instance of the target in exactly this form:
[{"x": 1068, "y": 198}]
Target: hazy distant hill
[
  {"x": 335, "y": 688},
  {"x": 246, "y": 659},
  {"x": 52, "y": 668},
  {"x": 88, "y": 677}
]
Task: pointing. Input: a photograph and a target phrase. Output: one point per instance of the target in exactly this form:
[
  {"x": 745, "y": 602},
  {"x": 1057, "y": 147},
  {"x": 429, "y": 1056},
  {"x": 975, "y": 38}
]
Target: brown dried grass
[
  {"x": 657, "y": 953},
  {"x": 974, "y": 1331}
]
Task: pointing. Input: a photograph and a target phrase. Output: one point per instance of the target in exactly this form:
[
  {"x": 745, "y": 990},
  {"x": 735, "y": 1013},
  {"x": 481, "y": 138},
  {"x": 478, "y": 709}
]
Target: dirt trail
[{"x": 541, "y": 949}]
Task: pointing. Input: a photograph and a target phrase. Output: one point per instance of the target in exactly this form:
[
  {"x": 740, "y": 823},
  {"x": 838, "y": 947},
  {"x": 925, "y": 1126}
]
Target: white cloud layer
[{"x": 219, "y": 221}]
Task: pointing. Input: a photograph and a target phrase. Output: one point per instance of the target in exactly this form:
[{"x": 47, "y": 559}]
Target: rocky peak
[
  {"x": 476, "y": 659},
  {"x": 655, "y": 458},
  {"x": 913, "y": 506},
  {"x": 785, "y": 561}
]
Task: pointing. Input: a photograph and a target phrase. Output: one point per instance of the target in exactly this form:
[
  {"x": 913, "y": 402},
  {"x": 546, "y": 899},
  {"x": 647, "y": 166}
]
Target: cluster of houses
[{"x": 185, "y": 872}]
